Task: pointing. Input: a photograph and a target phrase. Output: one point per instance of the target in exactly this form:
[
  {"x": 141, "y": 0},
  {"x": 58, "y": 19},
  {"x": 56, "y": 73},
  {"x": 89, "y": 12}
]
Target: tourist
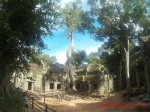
[
  {"x": 25, "y": 100},
  {"x": 58, "y": 97},
  {"x": 25, "y": 93}
]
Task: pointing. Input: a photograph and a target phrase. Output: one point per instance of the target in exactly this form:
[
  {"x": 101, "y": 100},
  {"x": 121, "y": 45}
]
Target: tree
[
  {"x": 118, "y": 21},
  {"x": 113, "y": 59},
  {"x": 22, "y": 26},
  {"x": 136, "y": 60},
  {"x": 46, "y": 58},
  {"x": 71, "y": 19},
  {"x": 78, "y": 58},
  {"x": 145, "y": 47},
  {"x": 93, "y": 58}
]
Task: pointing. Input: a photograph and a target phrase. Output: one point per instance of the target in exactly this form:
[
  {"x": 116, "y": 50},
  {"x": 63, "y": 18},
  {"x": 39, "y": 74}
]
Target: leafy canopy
[
  {"x": 78, "y": 58},
  {"x": 74, "y": 18},
  {"x": 22, "y": 25}
]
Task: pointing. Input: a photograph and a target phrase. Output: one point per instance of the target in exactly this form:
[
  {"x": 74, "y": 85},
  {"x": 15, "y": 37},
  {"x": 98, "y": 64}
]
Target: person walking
[{"x": 25, "y": 100}]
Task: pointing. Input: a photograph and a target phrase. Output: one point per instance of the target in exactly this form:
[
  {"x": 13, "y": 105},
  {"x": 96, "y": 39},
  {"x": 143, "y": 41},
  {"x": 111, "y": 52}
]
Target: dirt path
[
  {"x": 31, "y": 110},
  {"x": 114, "y": 103}
]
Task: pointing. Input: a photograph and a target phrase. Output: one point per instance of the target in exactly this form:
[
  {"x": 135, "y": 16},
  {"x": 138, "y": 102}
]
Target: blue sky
[{"x": 59, "y": 43}]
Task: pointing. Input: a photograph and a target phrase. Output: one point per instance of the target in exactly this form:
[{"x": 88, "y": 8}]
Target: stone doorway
[{"x": 29, "y": 85}]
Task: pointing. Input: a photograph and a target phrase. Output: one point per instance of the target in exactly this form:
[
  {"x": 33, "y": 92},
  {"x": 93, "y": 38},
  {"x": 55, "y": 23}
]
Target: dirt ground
[{"x": 113, "y": 103}]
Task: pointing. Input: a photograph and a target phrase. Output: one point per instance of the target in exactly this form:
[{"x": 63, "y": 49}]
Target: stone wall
[{"x": 96, "y": 79}]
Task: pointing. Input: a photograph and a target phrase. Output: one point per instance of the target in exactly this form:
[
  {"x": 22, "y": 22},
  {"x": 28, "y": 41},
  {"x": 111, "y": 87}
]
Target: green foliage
[
  {"x": 79, "y": 78},
  {"x": 120, "y": 19},
  {"x": 54, "y": 77},
  {"x": 78, "y": 58},
  {"x": 74, "y": 18},
  {"x": 95, "y": 77},
  {"x": 93, "y": 58},
  {"x": 12, "y": 102},
  {"x": 22, "y": 25},
  {"x": 146, "y": 46},
  {"x": 54, "y": 72},
  {"x": 72, "y": 15},
  {"x": 120, "y": 22},
  {"x": 46, "y": 58}
]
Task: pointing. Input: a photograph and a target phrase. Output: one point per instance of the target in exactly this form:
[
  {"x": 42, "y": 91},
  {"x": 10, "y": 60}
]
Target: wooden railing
[{"x": 40, "y": 107}]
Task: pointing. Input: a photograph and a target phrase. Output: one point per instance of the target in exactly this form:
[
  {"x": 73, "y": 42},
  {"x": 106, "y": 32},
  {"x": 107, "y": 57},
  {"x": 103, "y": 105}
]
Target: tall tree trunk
[
  {"x": 69, "y": 68},
  {"x": 146, "y": 64},
  {"x": 89, "y": 86},
  {"x": 5, "y": 84},
  {"x": 147, "y": 76},
  {"x": 15, "y": 80},
  {"x": 127, "y": 70},
  {"x": 120, "y": 76},
  {"x": 148, "y": 88},
  {"x": 67, "y": 84},
  {"x": 63, "y": 83},
  {"x": 138, "y": 82}
]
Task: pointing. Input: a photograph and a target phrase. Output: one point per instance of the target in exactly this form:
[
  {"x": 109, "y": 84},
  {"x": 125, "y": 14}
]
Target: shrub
[{"x": 12, "y": 102}]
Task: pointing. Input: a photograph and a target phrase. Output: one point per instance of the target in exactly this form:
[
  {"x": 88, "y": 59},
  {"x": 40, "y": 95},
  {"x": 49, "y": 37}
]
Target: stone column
[{"x": 55, "y": 85}]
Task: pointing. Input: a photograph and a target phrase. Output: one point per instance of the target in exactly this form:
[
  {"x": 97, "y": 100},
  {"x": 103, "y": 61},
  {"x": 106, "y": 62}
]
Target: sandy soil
[{"x": 113, "y": 103}]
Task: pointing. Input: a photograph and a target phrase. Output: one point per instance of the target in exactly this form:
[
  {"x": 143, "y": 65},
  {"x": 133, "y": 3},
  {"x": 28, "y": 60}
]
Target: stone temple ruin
[
  {"x": 41, "y": 78},
  {"x": 94, "y": 78}
]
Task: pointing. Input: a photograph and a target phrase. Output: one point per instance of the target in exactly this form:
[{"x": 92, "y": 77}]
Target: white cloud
[
  {"x": 61, "y": 57},
  {"x": 84, "y": 3},
  {"x": 61, "y": 54},
  {"x": 92, "y": 49},
  {"x": 64, "y": 2}
]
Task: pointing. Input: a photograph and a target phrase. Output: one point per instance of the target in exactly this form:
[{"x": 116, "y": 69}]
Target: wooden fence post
[
  {"x": 46, "y": 108},
  {"x": 83, "y": 96},
  {"x": 44, "y": 98},
  {"x": 32, "y": 102}
]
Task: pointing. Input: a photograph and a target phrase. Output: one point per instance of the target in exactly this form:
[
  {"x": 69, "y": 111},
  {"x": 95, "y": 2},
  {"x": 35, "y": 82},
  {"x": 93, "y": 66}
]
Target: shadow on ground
[{"x": 111, "y": 104}]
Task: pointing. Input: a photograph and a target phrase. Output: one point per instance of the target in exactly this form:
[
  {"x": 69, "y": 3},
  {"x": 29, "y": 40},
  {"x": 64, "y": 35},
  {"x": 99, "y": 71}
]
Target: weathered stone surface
[
  {"x": 90, "y": 78},
  {"x": 98, "y": 78}
]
